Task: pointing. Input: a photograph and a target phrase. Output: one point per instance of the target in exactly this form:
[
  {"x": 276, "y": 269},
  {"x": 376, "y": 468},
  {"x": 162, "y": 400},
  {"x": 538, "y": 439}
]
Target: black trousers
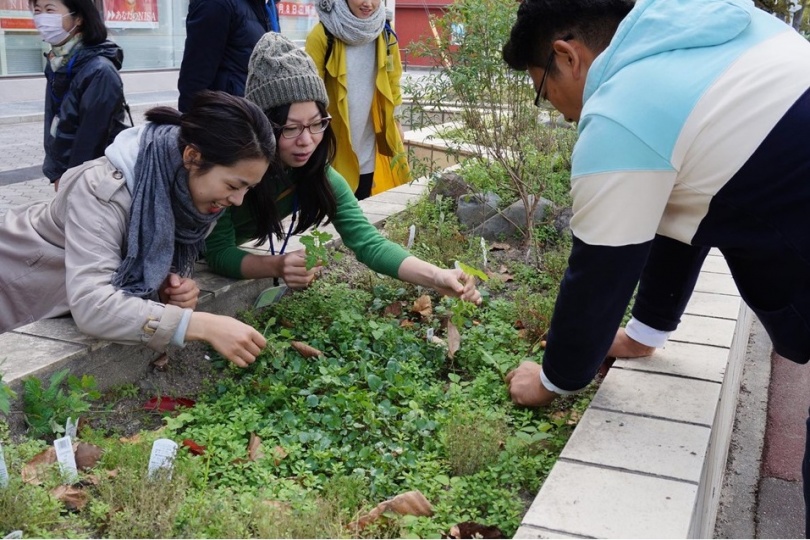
[{"x": 363, "y": 190}]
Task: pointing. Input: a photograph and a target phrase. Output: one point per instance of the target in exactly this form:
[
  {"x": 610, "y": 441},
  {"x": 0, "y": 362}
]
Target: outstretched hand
[
  {"x": 456, "y": 283},
  {"x": 294, "y": 270},
  {"x": 525, "y": 387},
  {"x": 238, "y": 342}
]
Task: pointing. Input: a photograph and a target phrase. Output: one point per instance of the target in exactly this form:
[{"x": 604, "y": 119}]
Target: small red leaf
[
  {"x": 165, "y": 403},
  {"x": 193, "y": 447}
]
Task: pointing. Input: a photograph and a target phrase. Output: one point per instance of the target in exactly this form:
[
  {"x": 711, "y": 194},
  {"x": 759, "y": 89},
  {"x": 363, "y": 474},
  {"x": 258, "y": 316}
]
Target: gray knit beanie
[{"x": 279, "y": 73}]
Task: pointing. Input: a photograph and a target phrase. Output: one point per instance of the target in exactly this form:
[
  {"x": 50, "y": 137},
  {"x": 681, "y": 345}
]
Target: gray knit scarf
[
  {"x": 166, "y": 232},
  {"x": 341, "y": 22}
]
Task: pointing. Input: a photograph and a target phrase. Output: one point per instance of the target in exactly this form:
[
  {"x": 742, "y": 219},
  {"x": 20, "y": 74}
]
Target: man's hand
[
  {"x": 626, "y": 347},
  {"x": 525, "y": 387},
  {"x": 179, "y": 291}
]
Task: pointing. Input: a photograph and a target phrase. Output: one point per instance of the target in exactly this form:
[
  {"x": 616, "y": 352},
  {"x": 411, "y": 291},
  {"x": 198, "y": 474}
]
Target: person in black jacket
[
  {"x": 220, "y": 36},
  {"x": 84, "y": 96}
]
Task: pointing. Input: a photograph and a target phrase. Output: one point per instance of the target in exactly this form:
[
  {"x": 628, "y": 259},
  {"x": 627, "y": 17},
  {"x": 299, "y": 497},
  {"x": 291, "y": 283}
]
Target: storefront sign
[
  {"x": 296, "y": 9},
  {"x": 16, "y": 15},
  {"x": 131, "y": 13}
]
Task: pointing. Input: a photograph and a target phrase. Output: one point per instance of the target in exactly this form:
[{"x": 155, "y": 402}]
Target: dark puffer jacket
[
  {"x": 87, "y": 97},
  {"x": 220, "y": 36}
]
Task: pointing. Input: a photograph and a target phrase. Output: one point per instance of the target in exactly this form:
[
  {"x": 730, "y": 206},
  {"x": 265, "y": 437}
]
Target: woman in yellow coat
[{"x": 361, "y": 68}]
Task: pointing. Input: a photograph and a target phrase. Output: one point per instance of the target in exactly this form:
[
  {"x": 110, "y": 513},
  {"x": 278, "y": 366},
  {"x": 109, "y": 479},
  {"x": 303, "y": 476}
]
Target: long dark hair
[
  {"x": 223, "y": 128},
  {"x": 92, "y": 28},
  {"x": 316, "y": 200}
]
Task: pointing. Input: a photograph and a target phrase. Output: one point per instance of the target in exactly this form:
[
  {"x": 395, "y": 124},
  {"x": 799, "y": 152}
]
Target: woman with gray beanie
[
  {"x": 357, "y": 55},
  {"x": 284, "y": 83}
]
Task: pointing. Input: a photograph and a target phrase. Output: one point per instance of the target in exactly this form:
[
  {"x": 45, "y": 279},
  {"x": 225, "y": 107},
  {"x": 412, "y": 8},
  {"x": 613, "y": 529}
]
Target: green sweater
[{"x": 236, "y": 226}]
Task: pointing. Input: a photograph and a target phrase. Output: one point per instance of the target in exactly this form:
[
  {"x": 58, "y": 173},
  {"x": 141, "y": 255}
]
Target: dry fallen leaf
[
  {"x": 470, "y": 529},
  {"x": 499, "y": 246},
  {"x": 161, "y": 363},
  {"x": 305, "y": 350},
  {"x": 405, "y": 323},
  {"x": 255, "y": 448},
  {"x": 571, "y": 417},
  {"x": 453, "y": 340},
  {"x": 423, "y": 306},
  {"x": 37, "y": 466},
  {"x": 394, "y": 309},
  {"x": 279, "y": 454},
  {"x": 135, "y": 439},
  {"x": 87, "y": 455},
  {"x": 73, "y": 497},
  {"x": 411, "y": 503}
]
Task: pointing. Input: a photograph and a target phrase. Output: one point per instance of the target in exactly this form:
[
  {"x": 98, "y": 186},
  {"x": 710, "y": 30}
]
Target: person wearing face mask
[
  {"x": 283, "y": 81},
  {"x": 357, "y": 55},
  {"x": 84, "y": 95}
]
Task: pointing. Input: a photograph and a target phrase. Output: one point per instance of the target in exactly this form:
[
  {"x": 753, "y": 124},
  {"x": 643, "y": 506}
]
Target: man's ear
[{"x": 576, "y": 56}]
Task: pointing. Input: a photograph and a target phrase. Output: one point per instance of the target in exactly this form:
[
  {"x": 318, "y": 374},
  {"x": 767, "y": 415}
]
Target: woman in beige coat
[{"x": 116, "y": 246}]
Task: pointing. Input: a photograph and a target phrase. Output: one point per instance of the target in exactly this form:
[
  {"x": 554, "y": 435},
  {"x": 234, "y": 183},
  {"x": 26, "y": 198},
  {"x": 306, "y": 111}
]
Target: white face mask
[{"x": 50, "y": 28}]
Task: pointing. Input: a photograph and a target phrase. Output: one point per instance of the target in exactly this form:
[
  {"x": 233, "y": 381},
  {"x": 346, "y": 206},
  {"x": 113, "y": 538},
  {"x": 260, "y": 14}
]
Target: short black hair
[
  {"x": 93, "y": 29},
  {"x": 540, "y": 22}
]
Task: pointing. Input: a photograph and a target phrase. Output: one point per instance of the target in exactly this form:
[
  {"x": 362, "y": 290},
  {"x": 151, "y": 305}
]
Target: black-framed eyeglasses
[
  {"x": 539, "y": 98},
  {"x": 291, "y": 131}
]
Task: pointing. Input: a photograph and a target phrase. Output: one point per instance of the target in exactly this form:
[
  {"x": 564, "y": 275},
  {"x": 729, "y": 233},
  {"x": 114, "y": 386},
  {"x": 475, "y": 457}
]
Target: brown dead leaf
[
  {"x": 37, "y": 465},
  {"x": 571, "y": 417},
  {"x": 87, "y": 455},
  {"x": 394, "y": 309},
  {"x": 523, "y": 333},
  {"x": 135, "y": 439},
  {"x": 73, "y": 497},
  {"x": 410, "y": 503},
  {"x": 279, "y": 453},
  {"x": 470, "y": 529},
  {"x": 502, "y": 269},
  {"x": 499, "y": 246},
  {"x": 436, "y": 340},
  {"x": 255, "y": 448},
  {"x": 305, "y": 350},
  {"x": 405, "y": 323},
  {"x": 453, "y": 340},
  {"x": 161, "y": 363},
  {"x": 501, "y": 276},
  {"x": 423, "y": 306}
]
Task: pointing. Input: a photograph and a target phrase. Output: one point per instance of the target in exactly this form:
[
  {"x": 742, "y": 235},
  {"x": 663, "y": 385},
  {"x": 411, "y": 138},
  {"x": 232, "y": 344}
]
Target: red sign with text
[
  {"x": 294, "y": 9},
  {"x": 131, "y": 13}
]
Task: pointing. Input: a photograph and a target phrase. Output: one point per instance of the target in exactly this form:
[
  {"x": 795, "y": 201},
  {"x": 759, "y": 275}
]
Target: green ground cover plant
[{"x": 354, "y": 401}]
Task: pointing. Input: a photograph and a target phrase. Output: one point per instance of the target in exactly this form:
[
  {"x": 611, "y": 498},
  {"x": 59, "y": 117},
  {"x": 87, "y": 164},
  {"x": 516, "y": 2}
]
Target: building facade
[{"x": 151, "y": 32}]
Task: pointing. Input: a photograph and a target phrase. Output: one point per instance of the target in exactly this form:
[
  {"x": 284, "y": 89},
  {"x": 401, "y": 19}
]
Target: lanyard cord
[
  {"x": 287, "y": 236},
  {"x": 58, "y": 100}
]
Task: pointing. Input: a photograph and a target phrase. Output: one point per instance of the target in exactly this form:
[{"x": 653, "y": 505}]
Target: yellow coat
[{"x": 391, "y": 168}]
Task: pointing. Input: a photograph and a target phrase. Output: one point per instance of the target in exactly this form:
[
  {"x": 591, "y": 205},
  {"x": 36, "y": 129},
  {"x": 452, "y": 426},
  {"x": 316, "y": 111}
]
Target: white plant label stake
[
  {"x": 411, "y": 236},
  {"x": 3, "y": 469},
  {"x": 66, "y": 459},
  {"x": 71, "y": 427},
  {"x": 163, "y": 452},
  {"x": 484, "y": 251},
  {"x": 429, "y": 334},
  {"x": 13, "y": 534}
]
